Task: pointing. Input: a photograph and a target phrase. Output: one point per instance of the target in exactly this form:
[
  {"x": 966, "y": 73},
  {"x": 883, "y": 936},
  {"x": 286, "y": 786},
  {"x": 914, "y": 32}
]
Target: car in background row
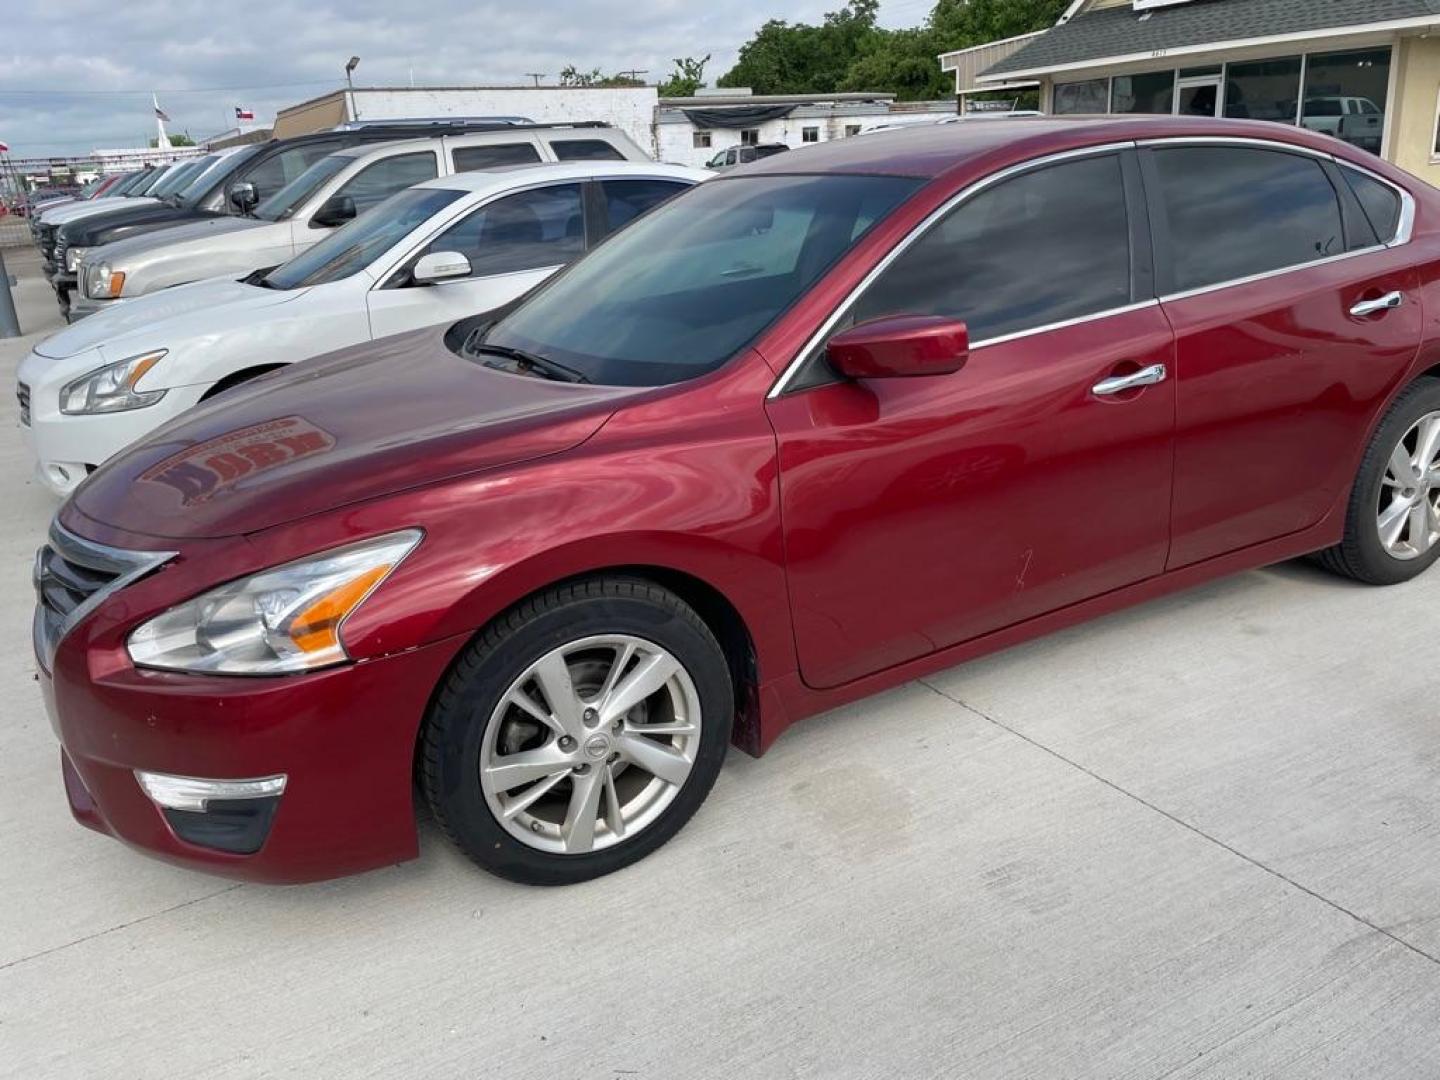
[
  {"x": 435, "y": 253},
  {"x": 743, "y": 155},
  {"x": 812, "y": 429},
  {"x": 329, "y": 193},
  {"x": 134, "y": 185},
  {"x": 265, "y": 167},
  {"x": 164, "y": 181}
]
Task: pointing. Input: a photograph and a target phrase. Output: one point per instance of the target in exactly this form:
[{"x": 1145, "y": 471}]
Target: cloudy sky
[{"x": 77, "y": 74}]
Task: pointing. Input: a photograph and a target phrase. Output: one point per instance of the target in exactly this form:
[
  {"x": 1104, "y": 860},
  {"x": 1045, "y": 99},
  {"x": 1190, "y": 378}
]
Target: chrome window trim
[
  {"x": 1403, "y": 235},
  {"x": 797, "y": 362},
  {"x": 129, "y": 566}
]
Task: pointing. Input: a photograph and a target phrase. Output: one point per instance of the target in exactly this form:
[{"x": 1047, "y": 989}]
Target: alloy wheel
[
  {"x": 590, "y": 744},
  {"x": 1408, "y": 513}
]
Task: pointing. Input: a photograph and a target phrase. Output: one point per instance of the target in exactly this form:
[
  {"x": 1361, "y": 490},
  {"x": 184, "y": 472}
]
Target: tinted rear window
[
  {"x": 585, "y": 150},
  {"x": 1380, "y": 202},
  {"x": 1237, "y": 212},
  {"x": 469, "y": 158}
]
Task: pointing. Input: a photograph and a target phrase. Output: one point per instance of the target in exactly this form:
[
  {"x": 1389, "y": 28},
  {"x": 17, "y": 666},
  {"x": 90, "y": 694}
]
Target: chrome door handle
[
  {"x": 1388, "y": 302},
  {"x": 1117, "y": 384}
]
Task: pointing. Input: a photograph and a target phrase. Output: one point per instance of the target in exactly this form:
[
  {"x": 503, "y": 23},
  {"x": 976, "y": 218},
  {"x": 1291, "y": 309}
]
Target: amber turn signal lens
[{"x": 318, "y": 626}]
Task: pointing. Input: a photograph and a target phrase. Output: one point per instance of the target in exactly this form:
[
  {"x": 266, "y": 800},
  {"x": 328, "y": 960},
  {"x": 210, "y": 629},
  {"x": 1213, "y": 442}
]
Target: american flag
[
  {"x": 160, "y": 114},
  {"x": 242, "y": 113}
]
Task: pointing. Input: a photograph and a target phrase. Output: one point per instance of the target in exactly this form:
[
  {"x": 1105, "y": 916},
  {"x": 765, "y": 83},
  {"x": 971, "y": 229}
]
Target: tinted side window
[
  {"x": 1237, "y": 212},
  {"x": 626, "y": 200},
  {"x": 1047, "y": 246},
  {"x": 1380, "y": 202},
  {"x": 270, "y": 175},
  {"x": 585, "y": 150},
  {"x": 525, "y": 231},
  {"x": 379, "y": 181},
  {"x": 469, "y": 158}
]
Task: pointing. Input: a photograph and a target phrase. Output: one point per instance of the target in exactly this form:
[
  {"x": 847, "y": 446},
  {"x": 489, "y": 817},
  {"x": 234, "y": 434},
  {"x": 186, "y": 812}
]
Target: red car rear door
[
  {"x": 1293, "y": 321},
  {"x": 922, "y": 512}
]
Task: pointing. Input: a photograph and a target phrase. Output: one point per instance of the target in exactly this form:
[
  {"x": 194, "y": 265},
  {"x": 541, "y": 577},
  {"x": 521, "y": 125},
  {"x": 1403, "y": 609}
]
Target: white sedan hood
[{"x": 150, "y": 320}]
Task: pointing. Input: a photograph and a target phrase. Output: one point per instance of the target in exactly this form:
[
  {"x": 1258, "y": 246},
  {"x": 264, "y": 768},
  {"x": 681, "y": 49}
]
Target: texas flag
[
  {"x": 4, "y": 148},
  {"x": 242, "y": 113}
]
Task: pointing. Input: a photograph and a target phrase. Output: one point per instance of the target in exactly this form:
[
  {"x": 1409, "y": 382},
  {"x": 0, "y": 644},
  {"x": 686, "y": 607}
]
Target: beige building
[{"x": 1366, "y": 71}]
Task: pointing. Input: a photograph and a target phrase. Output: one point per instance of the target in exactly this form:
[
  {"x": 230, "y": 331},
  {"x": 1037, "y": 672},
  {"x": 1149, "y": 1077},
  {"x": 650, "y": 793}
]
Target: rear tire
[
  {"x": 578, "y": 732},
  {"x": 1392, "y": 524}
]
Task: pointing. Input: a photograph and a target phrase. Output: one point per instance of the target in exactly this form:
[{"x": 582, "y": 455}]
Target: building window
[
  {"x": 700, "y": 140},
  {"x": 1263, "y": 90},
  {"x": 1091, "y": 96},
  {"x": 854, "y": 129},
  {"x": 1345, "y": 96},
  {"x": 750, "y": 137},
  {"x": 1152, "y": 92},
  {"x": 810, "y": 134}
]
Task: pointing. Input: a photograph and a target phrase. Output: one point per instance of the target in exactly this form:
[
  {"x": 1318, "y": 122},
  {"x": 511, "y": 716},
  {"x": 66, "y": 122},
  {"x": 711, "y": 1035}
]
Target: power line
[{"x": 168, "y": 93}]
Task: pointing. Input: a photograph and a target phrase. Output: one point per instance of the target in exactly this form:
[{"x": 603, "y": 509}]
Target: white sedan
[{"x": 433, "y": 253}]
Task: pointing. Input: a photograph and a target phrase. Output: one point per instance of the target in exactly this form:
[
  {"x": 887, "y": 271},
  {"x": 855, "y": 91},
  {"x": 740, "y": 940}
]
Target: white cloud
[{"x": 182, "y": 47}]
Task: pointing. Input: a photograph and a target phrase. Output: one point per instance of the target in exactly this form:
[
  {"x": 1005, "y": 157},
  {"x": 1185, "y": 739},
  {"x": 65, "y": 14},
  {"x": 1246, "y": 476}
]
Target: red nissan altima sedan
[{"x": 816, "y": 427}]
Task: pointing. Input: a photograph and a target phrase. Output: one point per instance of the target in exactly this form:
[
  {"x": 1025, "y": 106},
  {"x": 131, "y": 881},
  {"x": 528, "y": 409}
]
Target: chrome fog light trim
[{"x": 193, "y": 793}]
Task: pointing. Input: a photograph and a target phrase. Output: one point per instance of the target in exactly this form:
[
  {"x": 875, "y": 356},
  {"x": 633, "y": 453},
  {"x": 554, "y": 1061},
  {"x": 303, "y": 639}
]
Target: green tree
[
  {"x": 803, "y": 59},
  {"x": 570, "y": 75},
  {"x": 958, "y": 24},
  {"x": 688, "y": 76},
  {"x": 903, "y": 63},
  {"x": 848, "y": 51},
  {"x": 175, "y": 140}
]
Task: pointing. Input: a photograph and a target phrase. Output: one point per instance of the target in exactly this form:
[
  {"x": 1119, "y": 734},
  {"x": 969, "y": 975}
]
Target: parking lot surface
[{"x": 1195, "y": 839}]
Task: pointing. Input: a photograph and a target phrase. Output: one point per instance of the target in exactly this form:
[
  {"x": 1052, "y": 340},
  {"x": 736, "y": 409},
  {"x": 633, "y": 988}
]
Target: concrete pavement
[{"x": 1196, "y": 839}]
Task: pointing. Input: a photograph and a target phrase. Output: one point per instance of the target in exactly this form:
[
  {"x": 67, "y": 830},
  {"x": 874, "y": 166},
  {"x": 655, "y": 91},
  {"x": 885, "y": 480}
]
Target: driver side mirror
[
  {"x": 244, "y": 197},
  {"x": 440, "y": 266},
  {"x": 335, "y": 210},
  {"x": 900, "y": 346}
]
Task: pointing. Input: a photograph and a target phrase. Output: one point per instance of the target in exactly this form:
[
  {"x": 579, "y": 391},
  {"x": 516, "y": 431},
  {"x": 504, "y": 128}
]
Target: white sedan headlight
[
  {"x": 112, "y": 388},
  {"x": 73, "y": 257},
  {"x": 103, "y": 282},
  {"x": 278, "y": 621}
]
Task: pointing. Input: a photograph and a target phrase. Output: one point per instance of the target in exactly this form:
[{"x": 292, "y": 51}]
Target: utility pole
[{"x": 536, "y": 75}]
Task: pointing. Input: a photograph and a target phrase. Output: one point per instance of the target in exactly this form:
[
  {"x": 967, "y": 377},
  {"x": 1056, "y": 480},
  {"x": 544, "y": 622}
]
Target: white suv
[{"x": 331, "y": 192}]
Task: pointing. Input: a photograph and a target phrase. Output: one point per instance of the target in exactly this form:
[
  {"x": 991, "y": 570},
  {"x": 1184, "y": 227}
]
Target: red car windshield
[{"x": 688, "y": 285}]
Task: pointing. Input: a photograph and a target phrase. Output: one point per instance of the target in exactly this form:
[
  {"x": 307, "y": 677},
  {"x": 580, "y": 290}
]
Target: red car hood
[{"x": 355, "y": 424}]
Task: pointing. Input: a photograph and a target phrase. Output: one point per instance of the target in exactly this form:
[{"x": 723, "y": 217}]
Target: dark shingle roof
[{"x": 1120, "y": 31}]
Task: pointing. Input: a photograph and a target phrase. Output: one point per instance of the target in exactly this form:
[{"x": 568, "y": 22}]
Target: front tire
[
  {"x": 1392, "y": 526},
  {"x": 579, "y": 732}
]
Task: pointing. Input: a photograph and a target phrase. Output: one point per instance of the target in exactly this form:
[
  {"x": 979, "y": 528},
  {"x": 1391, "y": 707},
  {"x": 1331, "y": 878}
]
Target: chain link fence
[{"x": 14, "y": 231}]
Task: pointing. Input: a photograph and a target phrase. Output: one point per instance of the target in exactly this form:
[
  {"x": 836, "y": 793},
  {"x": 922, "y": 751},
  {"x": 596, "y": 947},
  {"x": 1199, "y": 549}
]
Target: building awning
[
  {"x": 738, "y": 116},
  {"x": 1121, "y": 34}
]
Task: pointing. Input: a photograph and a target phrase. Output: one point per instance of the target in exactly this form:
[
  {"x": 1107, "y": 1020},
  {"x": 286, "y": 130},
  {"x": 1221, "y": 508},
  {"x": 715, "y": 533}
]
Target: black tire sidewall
[
  {"x": 1362, "y": 541},
  {"x": 463, "y": 711}
]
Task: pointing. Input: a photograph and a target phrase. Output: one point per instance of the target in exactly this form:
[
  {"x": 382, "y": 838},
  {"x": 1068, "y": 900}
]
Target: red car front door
[
  {"x": 919, "y": 513},
  {"x": 1293, "y": 322}
]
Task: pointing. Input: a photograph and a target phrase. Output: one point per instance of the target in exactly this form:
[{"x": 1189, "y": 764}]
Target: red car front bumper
[{"x": 344, "y": 738}]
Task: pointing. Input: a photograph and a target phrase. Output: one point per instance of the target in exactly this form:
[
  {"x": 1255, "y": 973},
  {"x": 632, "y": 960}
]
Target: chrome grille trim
[{"x": 89, "y": 573}]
